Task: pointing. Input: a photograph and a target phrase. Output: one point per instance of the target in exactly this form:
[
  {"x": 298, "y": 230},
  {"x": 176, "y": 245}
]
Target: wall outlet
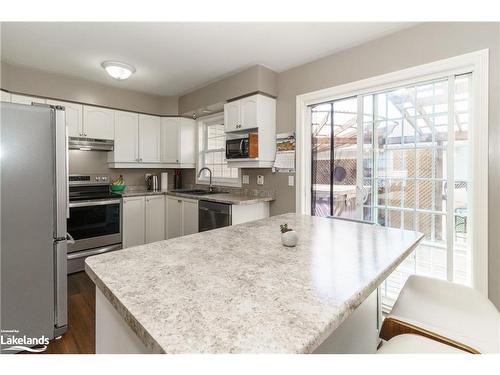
[
  {"x": 246, "y": 179},
  {"x": 291, "y": 180},
  {"x": 260, "y": 180}
]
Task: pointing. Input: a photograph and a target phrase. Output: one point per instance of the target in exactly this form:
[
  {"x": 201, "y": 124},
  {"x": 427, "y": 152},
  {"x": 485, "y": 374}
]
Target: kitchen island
[{"x": 239, "y": 290}]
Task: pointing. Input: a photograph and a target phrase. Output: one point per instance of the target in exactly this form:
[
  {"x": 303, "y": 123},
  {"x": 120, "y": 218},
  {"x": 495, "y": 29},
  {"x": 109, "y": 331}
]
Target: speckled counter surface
[
  {"x": 229, "y": 198},
  {"x": 238, "y": 290}
]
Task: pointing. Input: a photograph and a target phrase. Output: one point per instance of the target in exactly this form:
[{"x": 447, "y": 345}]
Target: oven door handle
[
  {"x": 100, "y": 250},
  {"x": 94, "y": 203}
]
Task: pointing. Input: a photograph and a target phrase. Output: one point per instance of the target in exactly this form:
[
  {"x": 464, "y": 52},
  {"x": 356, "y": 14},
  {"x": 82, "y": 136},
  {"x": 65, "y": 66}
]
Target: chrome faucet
[{"x": 210, "y": 187}]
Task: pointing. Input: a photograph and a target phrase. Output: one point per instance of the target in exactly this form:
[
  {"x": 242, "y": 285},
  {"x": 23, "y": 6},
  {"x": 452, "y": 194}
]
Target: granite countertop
[
  {"x": 229, "y": 198},
  {"x": 239, "y": 290}
]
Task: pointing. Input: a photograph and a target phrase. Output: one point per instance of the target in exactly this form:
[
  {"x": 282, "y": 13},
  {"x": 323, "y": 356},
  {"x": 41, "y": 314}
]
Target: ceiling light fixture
[{"x": 118, "y": 70}]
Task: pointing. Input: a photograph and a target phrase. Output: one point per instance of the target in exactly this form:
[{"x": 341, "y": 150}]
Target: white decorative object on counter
[{"x": 288, "y": 236}]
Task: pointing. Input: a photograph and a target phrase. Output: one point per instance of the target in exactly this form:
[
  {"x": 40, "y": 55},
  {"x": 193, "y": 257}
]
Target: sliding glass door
[
  {"x": 400, "y": 158},
  {"x": 334, "y": 148}
]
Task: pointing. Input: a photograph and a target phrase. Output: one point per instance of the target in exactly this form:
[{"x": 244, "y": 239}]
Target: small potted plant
[{"x": 288, "y": 236}]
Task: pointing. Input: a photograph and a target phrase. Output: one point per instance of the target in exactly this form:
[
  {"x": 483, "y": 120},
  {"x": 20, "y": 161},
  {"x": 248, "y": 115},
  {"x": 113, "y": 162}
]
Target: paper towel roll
[{"x": 164, "y": 181}]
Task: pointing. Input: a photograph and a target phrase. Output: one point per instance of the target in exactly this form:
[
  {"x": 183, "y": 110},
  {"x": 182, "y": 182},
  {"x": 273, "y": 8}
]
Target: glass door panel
[
  {"x": 396, "y": 168},
  {"x": 334, "y": 162}
]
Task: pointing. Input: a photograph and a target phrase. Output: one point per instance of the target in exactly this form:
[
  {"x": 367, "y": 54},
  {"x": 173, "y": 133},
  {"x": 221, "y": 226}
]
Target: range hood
[{"x": 90, "y": 144}]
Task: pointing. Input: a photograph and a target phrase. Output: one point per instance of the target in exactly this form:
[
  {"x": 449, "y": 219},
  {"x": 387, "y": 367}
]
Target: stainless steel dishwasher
[{"x": 212, "y": 215}]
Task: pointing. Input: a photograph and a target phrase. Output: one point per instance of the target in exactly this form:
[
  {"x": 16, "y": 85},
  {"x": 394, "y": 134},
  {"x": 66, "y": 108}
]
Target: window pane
[{"x": 213, "y": 156}]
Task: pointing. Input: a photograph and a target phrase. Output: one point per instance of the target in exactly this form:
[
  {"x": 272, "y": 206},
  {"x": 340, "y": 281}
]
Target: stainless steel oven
[{"x": 95, "y": 220}]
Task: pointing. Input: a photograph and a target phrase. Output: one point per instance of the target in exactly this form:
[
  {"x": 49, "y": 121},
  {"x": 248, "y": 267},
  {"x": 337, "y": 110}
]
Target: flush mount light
[{"x": 118, "y": 70}]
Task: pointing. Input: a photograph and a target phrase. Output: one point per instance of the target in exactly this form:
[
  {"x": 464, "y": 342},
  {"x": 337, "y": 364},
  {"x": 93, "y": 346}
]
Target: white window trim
[
  {"x": 217, "y": 118},
  {"x": 475, "y": 62}
]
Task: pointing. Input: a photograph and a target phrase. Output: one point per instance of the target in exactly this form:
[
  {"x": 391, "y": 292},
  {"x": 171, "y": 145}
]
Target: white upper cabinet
[
  {"x": 252, "y": 112},
  {"x": 74, "y": 117},
  {"x": 5, "y": 96},
  {"x": 256, "y": 114},
  {"x": 149, "y": 139},
  {"x": 232, "y": 116},
  {"x": 23, "y": 99},
  {"x": 187, "y": 153},
  {"x": 98, "y": 122},
  {"x": 248, "y": 112},
  {"x": 170, "y": 139},
  {"x": 178, "y": 141},
  {"x": 126, "y": 148}
]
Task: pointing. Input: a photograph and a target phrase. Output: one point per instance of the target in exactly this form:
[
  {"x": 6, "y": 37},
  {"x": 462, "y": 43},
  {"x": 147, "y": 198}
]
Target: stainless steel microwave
[{"x": 243, "y": 148}]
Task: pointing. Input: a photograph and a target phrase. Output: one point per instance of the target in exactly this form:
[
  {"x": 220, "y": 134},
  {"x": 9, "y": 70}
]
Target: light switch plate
[
  {"x": 291, "y": 180},
  {"x": 246, "y": 179},
  {"x": 260, "y": 180}
]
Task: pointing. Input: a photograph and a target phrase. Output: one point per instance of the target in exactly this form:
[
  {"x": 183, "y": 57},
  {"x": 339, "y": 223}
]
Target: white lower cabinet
[
  {"x": 155, "y": 218},
  {"x": 173, "y": 227},
  {"x": 189, "y": 217},
  {"x": 182, "y": 216},
  {"x": 134, "y": 221}
]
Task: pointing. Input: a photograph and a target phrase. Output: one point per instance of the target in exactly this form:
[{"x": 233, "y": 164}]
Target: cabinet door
[
  {"x": 248, "y": 112},
  {"x": 170, "y": 139},
  {"x": 5, "y": 96},
  {"x": 187, "y": 153},
  {"x": 174, "y": 217},
  {"x": 23, "y": 99},
  {"x": 126, "y": 137},
  {"x": 133, "y": 221},
  {"x": 149, "y": 139},
  {"x": 98, "y": 122},
  {"x": 155, "y": 218},
  {"x": 189, "y": 217},
  {"x": 74, "y": 117},
  {"x": 232, "y": 119}
]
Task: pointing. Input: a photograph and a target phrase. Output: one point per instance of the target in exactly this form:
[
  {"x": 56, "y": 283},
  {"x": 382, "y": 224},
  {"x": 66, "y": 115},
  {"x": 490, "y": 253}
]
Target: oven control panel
[{"x": 95, "y": 179}]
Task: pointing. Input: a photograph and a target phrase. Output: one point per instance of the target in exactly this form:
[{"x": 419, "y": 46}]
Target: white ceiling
[{"x": 174, "y": 58}]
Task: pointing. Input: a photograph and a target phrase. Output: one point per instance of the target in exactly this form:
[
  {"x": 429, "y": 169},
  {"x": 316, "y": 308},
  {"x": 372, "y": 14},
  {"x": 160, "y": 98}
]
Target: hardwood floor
[{"x": 80, "y": 337}]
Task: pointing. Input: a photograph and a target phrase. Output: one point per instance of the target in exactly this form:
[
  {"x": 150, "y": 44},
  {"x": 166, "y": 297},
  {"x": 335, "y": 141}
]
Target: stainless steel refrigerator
[{"x": 34, "y": 208}]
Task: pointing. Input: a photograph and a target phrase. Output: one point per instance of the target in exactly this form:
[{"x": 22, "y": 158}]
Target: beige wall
[
  {"x": 58, "y": 86},
  {"x": 256, "y": 78},
  {"x": 95, "y": 162}
]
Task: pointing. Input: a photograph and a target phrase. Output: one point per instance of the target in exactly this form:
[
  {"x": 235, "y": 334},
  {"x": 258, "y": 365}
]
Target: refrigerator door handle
[
  {"x": 61, "y": 283},
  {"x": 61, "y": 176},
  {"x": 69, "y": 239}
]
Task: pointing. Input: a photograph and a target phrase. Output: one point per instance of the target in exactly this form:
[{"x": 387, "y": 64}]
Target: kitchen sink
[{"x": 197, "y": 191}]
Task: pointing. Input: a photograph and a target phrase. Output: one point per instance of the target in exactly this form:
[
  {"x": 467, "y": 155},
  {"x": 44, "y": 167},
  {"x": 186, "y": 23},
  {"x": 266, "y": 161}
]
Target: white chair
[
  {"x": 415, "y": 344},
  {"x": 449, "y": 313}
]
